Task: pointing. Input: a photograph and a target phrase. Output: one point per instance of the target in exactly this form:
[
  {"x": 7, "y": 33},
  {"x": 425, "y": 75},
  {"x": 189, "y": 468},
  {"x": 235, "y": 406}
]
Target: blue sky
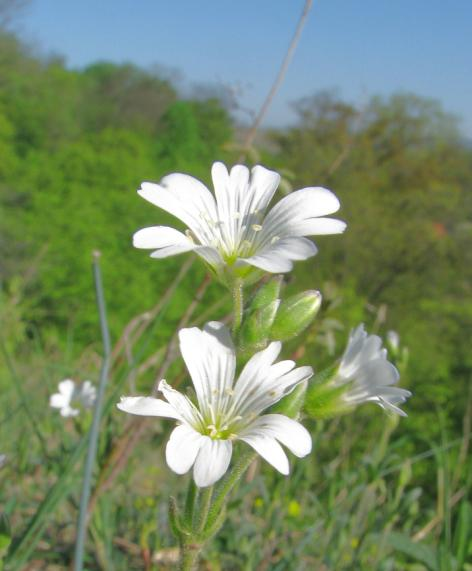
[{"x": 360, "y": 47}]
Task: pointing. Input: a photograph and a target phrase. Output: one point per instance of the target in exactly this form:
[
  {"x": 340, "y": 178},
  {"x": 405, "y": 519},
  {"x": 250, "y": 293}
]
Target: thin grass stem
[{"x": 94, "y": 430}]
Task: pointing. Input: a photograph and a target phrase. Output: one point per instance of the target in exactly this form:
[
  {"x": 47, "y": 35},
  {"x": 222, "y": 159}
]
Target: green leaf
[
  {"x": 417, "y": 551},
  {"x": 463, "y": 533}
]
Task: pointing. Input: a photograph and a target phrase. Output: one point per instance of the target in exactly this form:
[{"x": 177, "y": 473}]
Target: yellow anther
[
  {"x": 256, "y": 227},
  {"x": 213, "y": 430}
]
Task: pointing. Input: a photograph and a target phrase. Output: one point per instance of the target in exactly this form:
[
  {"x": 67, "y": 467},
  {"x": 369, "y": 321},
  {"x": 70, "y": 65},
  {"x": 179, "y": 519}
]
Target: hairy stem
[
  {"x": 228, "y": 483},
  {"x": 203, "y": 508},
  {"x": 189, "y": 558},
  {"x": 238, "y": 305}
]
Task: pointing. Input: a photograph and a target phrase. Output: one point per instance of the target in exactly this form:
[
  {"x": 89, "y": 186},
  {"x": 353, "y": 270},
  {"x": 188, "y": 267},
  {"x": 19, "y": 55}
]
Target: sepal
[
  {"x": 292, "y": 404},
  {"x": 323, "y": 399}
]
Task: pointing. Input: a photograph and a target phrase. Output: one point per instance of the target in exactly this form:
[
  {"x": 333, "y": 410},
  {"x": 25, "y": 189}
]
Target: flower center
[{"x": 219, "y": 432}]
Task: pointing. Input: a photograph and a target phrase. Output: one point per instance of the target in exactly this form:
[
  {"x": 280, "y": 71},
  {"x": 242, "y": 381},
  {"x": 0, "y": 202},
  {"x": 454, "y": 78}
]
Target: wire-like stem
[
  {"x": 94, "y": 430},
  {"x": 278, "y": 80}
]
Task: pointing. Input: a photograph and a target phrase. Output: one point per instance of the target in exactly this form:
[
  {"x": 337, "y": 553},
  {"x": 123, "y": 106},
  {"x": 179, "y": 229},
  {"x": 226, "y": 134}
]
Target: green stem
[
  {"x": 190, "y": 548},
  {"x": 238, "y": 304},
  {"x": 229, "y": 482},
  {"x": 190, "y": 554},
  {"x": 204, "y": 507},
  {"x": 190, "y": 502}
]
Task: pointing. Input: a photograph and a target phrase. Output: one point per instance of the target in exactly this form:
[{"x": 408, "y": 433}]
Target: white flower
[
  {"x": 3, "y": 460},
  {"x": 83, "y": 395},
  {"x": 367, "y": 374},
  {"x": 235, "y": 230},
  {"x": 225, "y": 411}
]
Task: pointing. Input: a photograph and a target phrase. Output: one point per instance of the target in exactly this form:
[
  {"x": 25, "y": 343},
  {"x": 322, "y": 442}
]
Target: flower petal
[
  {"x": 286, "y": 430},
  {"x": 181, "y": 404},
  {"x": 277, "y": 257},
  {"x": 186, "y": 198},
  {"x": 172, "y": 251},
  {"x": 256, "y": 368},
  {"x": 269, "y": 449},
  {"x": 67, "y": 388},
  {"x": 211, "y": 361},
  {"x": 292, "y": 215},
  {"x": 210, "y": 255},
  {"x": 212, "y": 461},
  {"x": 271, "y": 388},
  {"x": 159, "y": 237},
  {"x": 68, "y": 411},
  {"x": 317, "y": 227},
  {"x": 182, "y": 448},
  {"x": 58, "y": 400},
  {"x": 263, "y": 383},
  {"x": 148, "y": 406},
  {"x": 88, "y": 394},
  {"x": 264, "y": 183}
]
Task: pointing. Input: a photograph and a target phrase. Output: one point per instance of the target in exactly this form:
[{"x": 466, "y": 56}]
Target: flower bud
[
  {"x": 295, "y": 314},
  {"x": 267, "y": 293},
  {"x": 259, "y": 317},
  {"x": 255, "y": 329}
]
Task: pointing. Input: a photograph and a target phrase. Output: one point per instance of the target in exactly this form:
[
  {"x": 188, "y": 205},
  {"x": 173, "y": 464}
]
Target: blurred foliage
[{"x": 74, "y": 146}]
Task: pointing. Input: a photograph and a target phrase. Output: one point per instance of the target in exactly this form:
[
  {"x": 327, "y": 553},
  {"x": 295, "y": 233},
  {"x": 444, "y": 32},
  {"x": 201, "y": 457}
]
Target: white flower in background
[
  {"x": 71, "y": 394},
  {"x": 367, "y": 375},
  {"x": 3, "y": 460},
  {"x": 225, "y": 410},
  {"x": 236, "y": 229}
]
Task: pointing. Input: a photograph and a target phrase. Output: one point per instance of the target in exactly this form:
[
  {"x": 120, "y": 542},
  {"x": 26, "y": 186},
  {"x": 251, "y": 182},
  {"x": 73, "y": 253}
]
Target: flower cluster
[{"x": 238, "y": 236}]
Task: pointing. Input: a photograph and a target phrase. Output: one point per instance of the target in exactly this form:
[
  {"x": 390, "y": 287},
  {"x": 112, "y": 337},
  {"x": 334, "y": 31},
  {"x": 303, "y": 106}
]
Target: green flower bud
[
  {"x": 267, "y": 293},
  {"x": 295, "y": 314},
  {"x": 259, "y": 316},
  {"x": 256, "y": 326}
]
